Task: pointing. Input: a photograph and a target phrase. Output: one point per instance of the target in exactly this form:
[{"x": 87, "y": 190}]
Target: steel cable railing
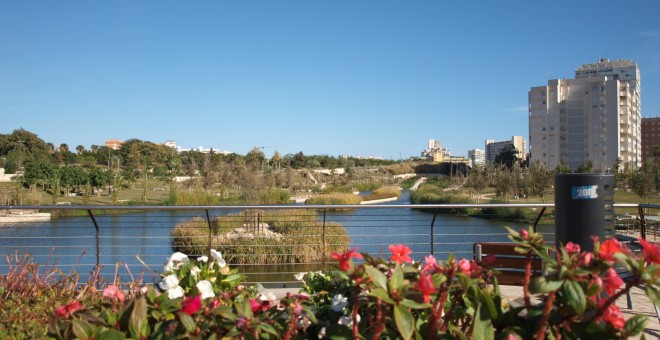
[{"x": 90, "y": 237}]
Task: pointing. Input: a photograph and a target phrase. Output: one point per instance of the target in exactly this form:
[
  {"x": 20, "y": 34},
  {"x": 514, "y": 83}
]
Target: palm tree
[
  {"x": 51, "y": 147},
  {"x": 95, "y": 148},
  {"x": 64, "y": 148},
  {"x": 80, "y": 149}
]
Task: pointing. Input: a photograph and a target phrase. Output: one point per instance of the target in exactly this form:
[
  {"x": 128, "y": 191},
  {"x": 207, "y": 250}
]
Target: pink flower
[
  {"x": 68, "y": 309},
  {"x": 400, "y": 253},
  {"x": 114, "y": 293},
  {"x": 191, "y": 305},
  {"x": 345, "y": 258},
  {"x": 464, "y": 266},
  {"x": 650, "y": 251},
  {"x": 425, "y": 286},
  {"x": 431, "y": 265},
  {"x": 572, "y": 247},
  {"x": 586, "y": 257},
  {"x": 255, "y": 305},
  {"x": 611, "y": 281},
  {"x": 609, "y": 248}
]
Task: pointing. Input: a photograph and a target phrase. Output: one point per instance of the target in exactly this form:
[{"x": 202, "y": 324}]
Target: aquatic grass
[{"x": 263, "y": 237}]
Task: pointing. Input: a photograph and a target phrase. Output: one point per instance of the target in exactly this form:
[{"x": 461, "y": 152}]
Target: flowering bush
[{"x": 380, "y": 298}]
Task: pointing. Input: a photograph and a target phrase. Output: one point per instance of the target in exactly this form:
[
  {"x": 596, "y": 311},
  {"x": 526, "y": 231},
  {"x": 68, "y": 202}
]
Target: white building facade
[
  {"x": 493, "y": 148},
  {"x": 477, "y": 157},
  {"x": 595, "y": 117}
]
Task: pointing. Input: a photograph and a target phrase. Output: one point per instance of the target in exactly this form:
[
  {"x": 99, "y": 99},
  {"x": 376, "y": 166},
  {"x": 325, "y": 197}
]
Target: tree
[
  {"x": 539, "y": 179},
  {"x": 477, "y": 180},
  {"x": 585, "y": 168},
  {"x": 507, "y": 156},
  {"x": 72, "y": 177},
  {"x": 562, "y": 167},
  {"x": 64, "y": 148},
  {"x": 276, "y": 160},
  {"x": 80, "y": 149},
  {"x": 644, "y": 180}
]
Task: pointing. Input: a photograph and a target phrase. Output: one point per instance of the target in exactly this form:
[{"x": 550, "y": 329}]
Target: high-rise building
[
  {"x": 595, "y": 117},
  {"x": 493, "y": 148},
  {"x": 476, "y": 157},
  {"x": 650, "y": 139}
]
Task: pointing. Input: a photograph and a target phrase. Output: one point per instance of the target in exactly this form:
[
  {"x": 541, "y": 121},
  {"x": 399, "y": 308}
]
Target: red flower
[
  {"x": 191, "y": 305},
  {"x": 490, "y": 259},
  {"x": 572, "y": 247},
  {"x": 255, "y": 305},
  {"x": 524, "y": 234},
  {"x": 345, "y": 258},
  {"x": 611, "y": 281},
  {"x": 74, "y": 307},
  {"x": 114, "y": 293},
  {"x": 609, "y": 248},
  {"x": 613, "y": 315},
  {"x": 400, "y": 253},
  {"x": 425, "y": 286},
  {"x": 61, "y": 310},
  {"x": 650, "y": 251},
  {"x": 68, "y": 309}
]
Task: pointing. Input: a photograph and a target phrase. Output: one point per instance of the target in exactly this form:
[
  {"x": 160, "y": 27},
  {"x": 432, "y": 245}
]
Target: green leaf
[
  {"x": 404, "y": 321},
  {"x": 635, "y": 325},
  {"x": 243, "y": 308},
  {"x": 138, "y": 317},
  {"x": 653, "y": 294},
  {"x": 457, "y": 332},
  {"x": 483, "y": 325},
  {"x": 414, "y": 304},
  {"x": 487, "y": 301},
  {"x": 187, "y": 321},
  {"x": 232, "y": 278},
  {"x": 376, "y": 276},
  {"x": 541, "y": 285},
  {"x": 576, "y": 297},
  {"x": 310, "y": 313},
  {"x": 82, "y": 329},
  {"x": 380, "y": 293},
  {"x": 226, "y": 312},
  {"x": 396, "y": 281},
  {"x": 111, "y": 334}
]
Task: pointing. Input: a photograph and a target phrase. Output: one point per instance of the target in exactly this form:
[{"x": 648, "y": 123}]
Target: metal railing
[{"x": 141, "y": 239}]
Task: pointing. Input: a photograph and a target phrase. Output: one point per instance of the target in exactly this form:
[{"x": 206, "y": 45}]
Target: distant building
[
  {"x": 493, "y": 148},
  {"x": 650, "y": 139},
  {"x": 114, "y": 144},
  {"x": 171, "y": 144},
  {"x": 432, "y": 149},
  {"x": 595, "y": 117},
  {"x": 477, "y": 157},
  {"x": 433, "y": 144}
]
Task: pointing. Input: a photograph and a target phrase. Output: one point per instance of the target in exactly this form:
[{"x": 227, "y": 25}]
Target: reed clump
[
  {"x": 382, "y": 193},
  {"x": 263, "y": 237}
]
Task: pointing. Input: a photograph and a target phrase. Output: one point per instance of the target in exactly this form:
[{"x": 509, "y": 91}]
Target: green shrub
[
  {"x": 503, "y": 213},
  {"x": 334, "y": 198},
  {"x": 382, "y": 193},
  {"x": 435, "y": 195}
]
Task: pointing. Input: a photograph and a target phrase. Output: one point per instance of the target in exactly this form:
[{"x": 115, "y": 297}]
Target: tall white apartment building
[
  {"x": 595, "y": 117},
  {"x": 493, "y": 148},
  {"x": 477, "y": 157},
  {"x": 433, "y": 144}
]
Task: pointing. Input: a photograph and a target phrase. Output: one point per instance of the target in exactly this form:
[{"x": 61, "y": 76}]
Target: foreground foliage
[{"x": 202, "y": 298}]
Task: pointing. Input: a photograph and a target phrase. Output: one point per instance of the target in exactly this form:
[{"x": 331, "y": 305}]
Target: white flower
[
  {"x": 321, "y": 334},
  {"x": 194, "y": 271},
  {"x": 205, "y": 288},
  {"x": 203, "y": 259},
  {"x": 339, "y": 302},
  {"x": 175, "y": 292},
  {"x": 175, "y": 261},
  {"x": 217, "y": 256},
  {"x": 300, "y": 276},
  {"x": 169, "y": 282},
  {"x": 348, "y": 320}
]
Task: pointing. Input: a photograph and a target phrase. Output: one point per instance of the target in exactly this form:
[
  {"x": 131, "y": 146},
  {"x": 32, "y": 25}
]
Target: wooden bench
[{"x": 508, "y": 262}]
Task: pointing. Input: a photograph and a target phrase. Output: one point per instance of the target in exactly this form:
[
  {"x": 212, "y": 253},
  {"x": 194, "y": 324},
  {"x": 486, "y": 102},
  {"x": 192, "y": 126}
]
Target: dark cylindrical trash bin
[{"x": 584, "y": 207}]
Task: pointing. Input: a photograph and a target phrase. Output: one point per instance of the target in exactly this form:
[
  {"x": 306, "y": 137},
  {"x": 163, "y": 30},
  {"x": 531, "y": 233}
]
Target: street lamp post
[{"x": 18, "y": 156}]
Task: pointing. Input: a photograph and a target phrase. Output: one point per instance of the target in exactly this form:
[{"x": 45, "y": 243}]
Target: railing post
[
  {"x": 435, "y": 214},
  {"x": 96, "y": 226},
  {"x": 642, "y": 222},
  {"x": 538, "y": 218},
  {"x": 323, "y": 241},
  {"x": 208, "y": 222}
]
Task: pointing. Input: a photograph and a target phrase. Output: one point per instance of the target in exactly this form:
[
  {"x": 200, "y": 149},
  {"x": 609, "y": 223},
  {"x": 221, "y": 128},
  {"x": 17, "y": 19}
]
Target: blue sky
[{"x": 323, "y": 77}]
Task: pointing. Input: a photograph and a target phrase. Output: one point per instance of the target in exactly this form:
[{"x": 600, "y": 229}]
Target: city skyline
[{"x": 368, "y": 79}]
